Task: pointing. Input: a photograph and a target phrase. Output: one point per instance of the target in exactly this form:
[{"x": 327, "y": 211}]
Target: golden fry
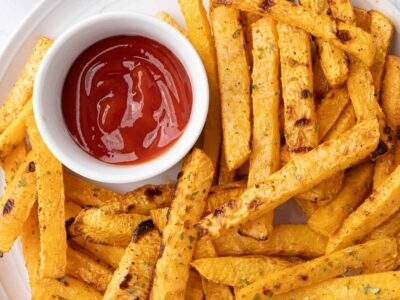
[
  {"x": 346, "y": 120},
  {"x": 12, "y": 162},
  {"x": 247, "y": 20},
  {"x": 390, "y": 228},
  {"x": 342, "y": 10},
  {"x": 71, "y": 209},
  {"x": 225, "y": 176},
  {"x": 384, "y": 166},
  {"x": 223, "y": 193},
  {"x": 194, "y": 287},
  {"x": 391, "y": 92}
]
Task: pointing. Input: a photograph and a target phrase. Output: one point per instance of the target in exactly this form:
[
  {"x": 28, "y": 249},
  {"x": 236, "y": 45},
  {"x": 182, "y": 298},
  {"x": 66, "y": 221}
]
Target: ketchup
[{"x": 126, "y": 99}]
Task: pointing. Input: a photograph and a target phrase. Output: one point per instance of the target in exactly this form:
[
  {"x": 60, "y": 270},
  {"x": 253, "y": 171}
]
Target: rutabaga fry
[
  {"x": 132, "y": 278},
  {"x": 248, "y": 19},
  {"x": 327, "y": 219},
  {"x": 15, "y": 133},
  {"x": 390, "y": 228},
  {"x": 342, "y": 10},
  {"x": 363, "y": 19},
  {"x": 71, "y": 210},
  {"x": 16, "y": 203},
  {"x": 374, "y": 253},
  {"x": 375, "y": 210},
  {"x": 194, "y": 288},
  {"x": 391, "y": 92},
  {"x": 51, "y": 198},
  {"x": 221, "y": 194},
  {"x": 199, "y": 33},
  {"x": 171, "y": 21},
  {"x": 382, "y": 31},
  {"x": 298, "y": 176},
  {"x": 172, "y": 271},
  {"x": 347, "y": 37},
  {"x": 86, "y": 193},
  {"x": 88, "y": 270},
  {"x": 12, "y": 162},
  {"x": 224, "y": 175},
  {"x": 321, "y": 87},
  {"x": 384, "y": 165},
  {"x": 234, "y": 83},
  {"x": 105, "y": 228},
  {"x": 238, "y": 271},
  {"x": 159, "y": 218},
  {"x": 317, "y": 6},
  {"x": 372, "y": 286},
  {"x": 22, "y": 89},
  {"x": 346, "y": 120}
]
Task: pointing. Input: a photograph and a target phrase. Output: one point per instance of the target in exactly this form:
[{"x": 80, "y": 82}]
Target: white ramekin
[{"x": 50, "y": 81}]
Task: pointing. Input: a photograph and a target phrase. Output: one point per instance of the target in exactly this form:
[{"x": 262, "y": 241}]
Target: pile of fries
[{"x": 304, "y": 104}]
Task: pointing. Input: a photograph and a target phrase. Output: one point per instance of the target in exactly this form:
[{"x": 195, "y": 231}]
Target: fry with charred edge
[
  {"x": 342, "y": 10},
  {"x": 234, "y": 84},
  {"x": 238, "y": 271},
  {"x": 199, "y": 33},
  {"x": 16, "y": 204},
  {"x": 375, "y": 210},
  {"x": 22, "y": 89},
  {"x": 264, "y": 158},
  {"x": 347, "y": 37},
  {"x": 50, "y": 190},
  {"x": 105, "y": 228},
  {"x": 12, "y": 162},
  {"x": 285, "y": 240},
  {"x": 43, "y": 288},
  {"x": 330, "y": 109},
  {"x": 131, "y": 279},
  {"x": 111, "y": 255},
  {"x": 381, "y": 252},
  {"x": 172, "y": 271},
  {"x": 346, "y": 120},
  {"x": 88, "y": 270},
  {"x": 372, "y": 286},
  {"x": 382, "y": 30},
  {"x": 86, "y": 193},
  {"x": 390, "y": 228},
  {"x": 71, "y": 209},
  {"x": 298, "y": 176},
  {"x": 362, "y": 94},
  {"x": 327, "y": 219},
  {"x": 391, "y": 92},
  {"x": 142, "y": 200},
  {"x": 166, "y": 17},
  {"x": 15, "y": 133},
  {"x": 384, "y": 165},
  {"x": 221, "y": 194}
]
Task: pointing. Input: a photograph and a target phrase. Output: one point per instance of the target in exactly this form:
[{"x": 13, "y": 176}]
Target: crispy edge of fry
[
  {"x": 345, "y": 36},
  {"x": 101, "y": 227},
  {"x": 382, "y": 31},
  {"x": 22, "y": 89},
  {"x": 346, "y": 120},
  {"x": 384, "y": 165},
  {"x": 199, "y": 33},
  {"x": 375, "y": 210},
  {"x": 391, "y": 92},
  {"x": 15, "y": 133},
  {"x": 51, "y": 198},
  {"x": 137, "y": 263},
  {"x": 390, "y": 228},
  {"x": 327, "y": 219},
  {"x": 321, "y": 86},
  {"x": 296, "y": 177},
  {"x": 88, "y": 270},
  {"x": 16, "y": 204},
  {"x": 12, "y": 162},
  {"x": 166, "y": 17},
  {"x": 235, "y": 98},
  {"x": 86, "y": 193},
  {"x": 224, "y": 175},
  {"x": 247, "y": 20},
  {"x": 343, "y": 10},
  {"x": 372, "y": 253},
  {"x": 172, "y": 272},
  {"x": 221, "y": 194},
  {"x": 380, "y": 285},
  {"x": 363, "y": 19}
]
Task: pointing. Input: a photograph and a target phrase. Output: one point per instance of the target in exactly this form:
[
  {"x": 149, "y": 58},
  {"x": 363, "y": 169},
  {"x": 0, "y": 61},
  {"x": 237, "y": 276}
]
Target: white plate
[{"x": 50, "y": 18}]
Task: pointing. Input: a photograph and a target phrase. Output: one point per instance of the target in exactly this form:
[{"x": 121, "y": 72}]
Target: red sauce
[{"x": 126, "y": 99}]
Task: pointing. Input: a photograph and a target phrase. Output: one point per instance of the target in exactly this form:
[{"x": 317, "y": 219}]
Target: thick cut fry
[
  {"x": 194, "y": 286},
  {"x": 346, "y": 120},
  {"x": 296, "y": 177},
  {"x": 88, "y": 270},
  {"x": 327, "y": 219},
  {"x": 247, "y": 20},
  {"x": 391, "y": 92},
  {"x": 381, "y": 252},
  {"x": 321, "y": 87},
  {"x": 12, "y": 162},
  {"x": 372, "y": 286},
  {"x": 382, "y": 30},
  {"x": 223, "y": 193},
  {"x": 172, "y": 271},
  {"x": 168, "y": 19},
  {"x": 234, "y": 83},
  {"x": 16, "y": 204},
  {"x": 384, "y": 165},
  {"x": 347, "y": 37},
  {"x": 317, "y": 6},
  {"x": 363, "y": 19},
  {"x": 50, "y": 190},
  {"x": 109, "y": 254},
  {"x": 362, "y": 94},
  {"x": 105, "y": 228},
  {"x": 22, "y": 89},
  {"x": 142, "y": 200},
  {"x": 132, "y": 278},
  {"x": 378, "y": 208},
  {"x": 342, "y": 10},
  {"x": 330, "y": 109},
  {"x": 86, "y": 193},
  {"x": 15, "y": 133},
  {"x": 260, "y": 228},
  {"x": 71, "y": 210},
  {"x": 390, "y": 228},
  {"x": 225, "y": 176},
  {"x": 204, "y": 249},
  {"x": 199, "y": 32},
  {"x": 238, "y": 271},
  {"x": 285, "y": 240},
  {"x": 159, "y": 218}
]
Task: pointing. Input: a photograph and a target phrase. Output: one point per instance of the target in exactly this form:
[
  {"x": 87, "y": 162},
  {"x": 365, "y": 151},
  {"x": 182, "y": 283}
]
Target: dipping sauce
[{"x": 126, "y": 99}]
